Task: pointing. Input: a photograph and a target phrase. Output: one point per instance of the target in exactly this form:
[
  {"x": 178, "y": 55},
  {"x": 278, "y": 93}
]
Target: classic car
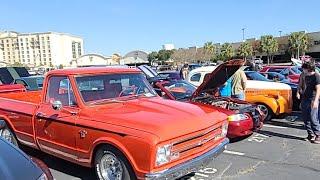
[
  {"x": 291, "y": 72},
  {"x": 111, "y": 119},
  {"x": 15, "y": 164},
  {"x": 244, "y": 118},
  {"x": 277, "y": 77},
  {"x": 273, "y": 98}
]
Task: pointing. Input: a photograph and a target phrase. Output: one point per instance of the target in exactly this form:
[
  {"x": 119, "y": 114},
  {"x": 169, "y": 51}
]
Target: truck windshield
[{"x": 104, "y": 87}]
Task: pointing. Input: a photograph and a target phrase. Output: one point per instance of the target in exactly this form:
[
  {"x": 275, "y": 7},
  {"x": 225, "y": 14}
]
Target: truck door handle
[{"x": 41, "y": 115}]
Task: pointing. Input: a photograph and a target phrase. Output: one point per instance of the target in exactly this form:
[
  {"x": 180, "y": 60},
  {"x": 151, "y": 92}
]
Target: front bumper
[{"x": 189, "y": 166}]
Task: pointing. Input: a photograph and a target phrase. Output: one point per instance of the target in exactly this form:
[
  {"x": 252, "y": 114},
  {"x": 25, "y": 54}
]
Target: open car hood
[{"x": 218, "y": 77}]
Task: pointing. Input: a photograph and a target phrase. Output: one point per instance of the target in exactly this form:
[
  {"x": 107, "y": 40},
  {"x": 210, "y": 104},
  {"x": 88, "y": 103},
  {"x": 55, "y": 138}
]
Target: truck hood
[
  {"x": 218, "y": 77},
  {"x": 166, "y": 119}
]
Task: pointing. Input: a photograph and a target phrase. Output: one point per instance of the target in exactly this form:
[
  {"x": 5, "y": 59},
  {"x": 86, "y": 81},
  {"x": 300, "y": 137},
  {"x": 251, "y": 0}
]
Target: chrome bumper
[{"x": 192, "y": 165}]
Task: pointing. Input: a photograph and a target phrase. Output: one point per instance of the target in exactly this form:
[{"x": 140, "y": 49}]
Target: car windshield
[
  {"x": 104, "y": 87},
  {"x": 180, "y": 89},
  {"x": 255, "y": 76}
]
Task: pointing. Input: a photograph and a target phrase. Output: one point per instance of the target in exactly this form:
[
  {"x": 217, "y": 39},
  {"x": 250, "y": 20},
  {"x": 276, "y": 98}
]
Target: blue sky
[{"x": 119, "y": 26}]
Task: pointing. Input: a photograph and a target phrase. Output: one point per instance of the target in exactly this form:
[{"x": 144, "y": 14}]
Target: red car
[
  {"x": 290, "y": 72},
  {"x": 244, "y": 118}
]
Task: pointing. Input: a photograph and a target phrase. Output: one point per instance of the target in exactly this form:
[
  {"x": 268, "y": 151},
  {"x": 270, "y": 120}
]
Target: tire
[
  {"x": 266, "y": 110},
  {"x": 8, "y": 135},
  {"x": 121, "y": 168}
]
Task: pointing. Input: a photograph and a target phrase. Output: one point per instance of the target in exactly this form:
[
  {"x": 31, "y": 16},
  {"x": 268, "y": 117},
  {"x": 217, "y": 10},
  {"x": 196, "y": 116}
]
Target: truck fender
[
  {"x": 7, "y": 122},
  {"x": 269, "y": 101},
  {"x": 118, "y": 145}
]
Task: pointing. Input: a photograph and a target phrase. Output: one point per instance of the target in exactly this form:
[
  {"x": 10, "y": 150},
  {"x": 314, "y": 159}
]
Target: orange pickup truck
[{"x": 112, "y": 120}]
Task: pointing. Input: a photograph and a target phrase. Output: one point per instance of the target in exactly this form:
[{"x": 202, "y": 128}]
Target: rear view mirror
[{"x": 57, "y": 105}]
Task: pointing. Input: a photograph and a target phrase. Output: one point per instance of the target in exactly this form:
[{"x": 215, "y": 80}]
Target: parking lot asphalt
[{"x": 278, "y": 151}]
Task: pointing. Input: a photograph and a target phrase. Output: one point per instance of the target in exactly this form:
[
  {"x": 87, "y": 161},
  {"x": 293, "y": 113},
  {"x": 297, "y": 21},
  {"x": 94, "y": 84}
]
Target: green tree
[
  {"x": 227, "y": 52},
  {"x": 209, "y": 50},
  {"x": 299, "y": 43},
  {"x": 245, "y": 50},
  {"x": 153, "y": 56},
  {"x": 164, "y": 55},
  {"x": 268, "y": 45}
]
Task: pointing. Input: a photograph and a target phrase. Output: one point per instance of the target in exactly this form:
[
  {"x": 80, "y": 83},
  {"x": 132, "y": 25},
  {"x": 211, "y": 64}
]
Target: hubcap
[
  {"x": 264, "y": 110},
  {"x": 110, "y": 167},
  {"x": 6, "y": 134}
]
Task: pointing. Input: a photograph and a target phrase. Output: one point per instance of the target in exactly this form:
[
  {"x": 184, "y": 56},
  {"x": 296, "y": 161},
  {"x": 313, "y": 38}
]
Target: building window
[
  {"x": 28, "y": 56},
  {"x": 7, "y": 41},
  {"x": 4, "y": 53},
  {"x": 44, "y": 55},
  {"x": 27, "y": 52},
  {"x": 316, "y": 42},
  {"x": 49, "y": 51},
  {"x": 44, "y": 51},
  {"x": 21, "y": 44},
  {"x": 22, "y": 56},
  {"x": 7, "y": 45},
  {"x": 8, "y": 53}
]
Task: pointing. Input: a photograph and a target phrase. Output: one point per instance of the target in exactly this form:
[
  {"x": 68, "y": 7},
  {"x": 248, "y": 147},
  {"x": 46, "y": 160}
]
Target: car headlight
[
  {"x": 238, "y": 117},
  {"x": 163, "y": 154},
  {"x": 43, "y": 177},
  {"x": 224, "y": 129}
]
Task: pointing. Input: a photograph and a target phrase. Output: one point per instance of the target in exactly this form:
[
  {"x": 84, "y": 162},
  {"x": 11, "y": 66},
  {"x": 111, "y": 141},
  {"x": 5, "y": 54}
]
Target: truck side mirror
[{"x": 57, "y": 105}]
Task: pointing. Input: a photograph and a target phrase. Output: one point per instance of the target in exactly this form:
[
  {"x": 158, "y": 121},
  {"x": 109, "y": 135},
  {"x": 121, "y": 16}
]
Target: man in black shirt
[{"x": 309, "y": 92}]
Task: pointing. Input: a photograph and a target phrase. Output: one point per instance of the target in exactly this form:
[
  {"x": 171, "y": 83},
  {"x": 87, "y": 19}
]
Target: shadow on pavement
[
  {"x": 287, "y": 124},
  {"x": 68, "y": 168},
  {"x": 269, "y": 133}
]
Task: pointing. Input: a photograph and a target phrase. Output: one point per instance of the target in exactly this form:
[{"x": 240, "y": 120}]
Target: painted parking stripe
[
  {"x": 234, "y": 152},
  {"x": 272, "y": 126}
]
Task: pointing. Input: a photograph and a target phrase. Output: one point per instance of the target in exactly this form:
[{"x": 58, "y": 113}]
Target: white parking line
[
  {"x": 272, "y": 126},
  {"x": 234, "y": 152}
]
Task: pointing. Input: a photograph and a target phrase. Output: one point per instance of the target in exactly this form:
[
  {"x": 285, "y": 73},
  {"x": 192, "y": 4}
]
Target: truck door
[{"x": 55, "y": 128}]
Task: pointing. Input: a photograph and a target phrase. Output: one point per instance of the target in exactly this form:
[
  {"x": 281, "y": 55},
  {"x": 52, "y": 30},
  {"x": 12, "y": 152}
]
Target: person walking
[
  {"x": 238, "y": 84},
  {"x": 309, "y": 93}
]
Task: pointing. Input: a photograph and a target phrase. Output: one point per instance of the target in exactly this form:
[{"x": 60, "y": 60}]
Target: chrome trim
[{"x": 189, "y": 166}]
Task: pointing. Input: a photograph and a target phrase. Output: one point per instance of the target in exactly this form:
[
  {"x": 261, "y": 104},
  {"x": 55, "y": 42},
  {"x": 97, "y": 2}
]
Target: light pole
[{"x": 243, "y": 34}]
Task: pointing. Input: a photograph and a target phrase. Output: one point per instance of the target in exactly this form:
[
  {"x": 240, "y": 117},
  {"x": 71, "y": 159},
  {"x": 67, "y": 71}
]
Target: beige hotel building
[{"x": 48, "y": 49}]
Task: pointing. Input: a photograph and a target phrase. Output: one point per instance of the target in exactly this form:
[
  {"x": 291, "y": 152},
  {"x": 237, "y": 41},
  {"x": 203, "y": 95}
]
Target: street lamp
[{"x": 243, "y": 34}]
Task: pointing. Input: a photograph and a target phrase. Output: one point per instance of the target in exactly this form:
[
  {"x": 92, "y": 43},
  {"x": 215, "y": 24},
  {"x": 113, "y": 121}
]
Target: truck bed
[{"x": 28, "y": 96}]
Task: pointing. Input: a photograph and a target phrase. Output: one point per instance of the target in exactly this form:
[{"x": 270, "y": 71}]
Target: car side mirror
[{"x": 57, "y": 105}]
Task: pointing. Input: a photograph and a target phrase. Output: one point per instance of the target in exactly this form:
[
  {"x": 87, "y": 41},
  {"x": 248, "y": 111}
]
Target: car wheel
[
  {"x": 110, "y": 164},
  {"x": 7, "y": 134},
  {"x": 266, "y": 111}
]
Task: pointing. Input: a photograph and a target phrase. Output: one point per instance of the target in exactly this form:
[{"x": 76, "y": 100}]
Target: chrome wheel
[
  {"x": 110, "y": 167},
  {"x": 7, "y": 135}
]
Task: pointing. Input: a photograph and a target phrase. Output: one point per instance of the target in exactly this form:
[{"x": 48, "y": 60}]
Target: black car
[
  {"x": 274, "y": 76},
  {"x": 16, "y": 165}
]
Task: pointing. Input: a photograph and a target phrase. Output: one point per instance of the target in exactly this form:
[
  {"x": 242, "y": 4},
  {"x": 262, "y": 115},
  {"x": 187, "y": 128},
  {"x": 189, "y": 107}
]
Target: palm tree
[
  {"x": 268, "y": 45},
  {"x": 299, "y": 42},
  {"x": 227, "y": 51},
  {"x": 245, "y": 50},
  {"x": 209, "y": 49}
]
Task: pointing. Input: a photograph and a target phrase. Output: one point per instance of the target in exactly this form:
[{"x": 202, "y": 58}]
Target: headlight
[
  {"x": 238, "y": 117},
  {"x": 43, "y": 177},
  {"x": 224, "y": 128},
  {"x": 163, "y": 154}
]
